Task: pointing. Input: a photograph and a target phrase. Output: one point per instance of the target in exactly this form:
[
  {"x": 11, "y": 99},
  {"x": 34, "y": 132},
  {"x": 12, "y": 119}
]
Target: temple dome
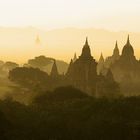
[
  {"x": 86, "y": 53},
  {"x": 128, "y": 49}
]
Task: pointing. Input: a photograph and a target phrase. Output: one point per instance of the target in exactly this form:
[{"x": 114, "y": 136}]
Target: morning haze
[
  {"x": 69, "y": 70},
  {"x": 60, "y": 43},
  {"x": 103, "y": 21}
]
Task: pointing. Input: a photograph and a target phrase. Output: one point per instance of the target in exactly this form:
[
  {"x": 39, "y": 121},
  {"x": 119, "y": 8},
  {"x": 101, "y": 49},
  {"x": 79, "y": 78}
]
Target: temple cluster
[
  {"x": 116, "y": 73},
  {"x": 125, "y": 68},
  {"x": 83, "y": 74}
]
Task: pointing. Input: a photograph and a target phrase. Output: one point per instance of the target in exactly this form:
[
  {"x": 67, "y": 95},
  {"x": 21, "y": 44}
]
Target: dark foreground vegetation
[{"x": 68, "y": 114}]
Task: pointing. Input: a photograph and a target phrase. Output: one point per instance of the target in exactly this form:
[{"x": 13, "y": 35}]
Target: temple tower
[
  {"x": 86, "y": 52},
  {"x": 83, "y": 72},
  {"x": 116, "y": 53},
  {"x": 100, "y": 66},
  {"x": 128, "y": 51},
  {"x": 54, "y": 71}
]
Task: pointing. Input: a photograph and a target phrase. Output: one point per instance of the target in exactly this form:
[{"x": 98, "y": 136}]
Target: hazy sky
[
  {"x": 18, "y": 44},
  {"x": 108, "y": 14}
]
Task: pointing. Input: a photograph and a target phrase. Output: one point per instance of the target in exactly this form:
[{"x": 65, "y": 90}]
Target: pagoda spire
[
  {"x": 86, "y": 53},
  {"x": 101, "y": 60},
  {"x": 38, "y": 42},
  {"x": 116, "y": 46},
  {"x": 116, "y": 52},
  {"x": 75, "y": 57},
  {"x": 54, "y": 71},
  {"x": 100, "y": 66},
  {"x": 70, "y": 66},
  {"x": 86, "y": 43},
  {"x": 128, "y": 39}
]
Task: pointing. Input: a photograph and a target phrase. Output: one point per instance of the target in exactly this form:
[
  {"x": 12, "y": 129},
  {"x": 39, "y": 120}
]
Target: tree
[
  {"x": 9, "y": 66},
  {"x": 29, "y": 77}
]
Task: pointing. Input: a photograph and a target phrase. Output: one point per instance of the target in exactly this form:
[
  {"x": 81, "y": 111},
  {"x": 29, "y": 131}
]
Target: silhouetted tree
[
  {"x": 29, "y": 77},
  {"x": 9, "y": 66}
]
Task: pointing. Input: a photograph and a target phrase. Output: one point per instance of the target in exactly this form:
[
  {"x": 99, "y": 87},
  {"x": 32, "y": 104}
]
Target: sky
[
  {"x": 50, "y": 14},
  {"x": 17, "y": 38}
]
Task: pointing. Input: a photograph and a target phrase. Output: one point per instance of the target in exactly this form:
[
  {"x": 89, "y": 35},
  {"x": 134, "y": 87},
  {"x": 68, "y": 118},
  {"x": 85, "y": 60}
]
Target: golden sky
[{"x": 18, "y": 44}]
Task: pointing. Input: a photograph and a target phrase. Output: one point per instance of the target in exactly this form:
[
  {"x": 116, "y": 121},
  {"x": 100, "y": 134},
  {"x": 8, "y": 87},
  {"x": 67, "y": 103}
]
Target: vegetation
[
  {"x": 45, "y": 64},
  {"x": 28, "y": 77},
  {"x": 69, "y": 114}
]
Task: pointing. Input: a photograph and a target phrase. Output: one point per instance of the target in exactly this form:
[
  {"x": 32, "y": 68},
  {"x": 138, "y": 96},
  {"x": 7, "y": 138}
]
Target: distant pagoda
[{"x": 37, "y": 41}]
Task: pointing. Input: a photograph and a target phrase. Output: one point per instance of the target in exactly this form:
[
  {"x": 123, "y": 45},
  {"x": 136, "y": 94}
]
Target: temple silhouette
[
  {"x": 119, "y": 72},
  {"x": 126, "y": 70},
  {"x": 82, "y": 74}
]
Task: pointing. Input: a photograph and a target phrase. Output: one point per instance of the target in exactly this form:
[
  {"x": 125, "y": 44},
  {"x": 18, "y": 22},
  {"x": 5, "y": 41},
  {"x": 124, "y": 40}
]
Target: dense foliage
[
  {"x": 68, "y": 114},
  {"x": 29, "y": 77}
]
